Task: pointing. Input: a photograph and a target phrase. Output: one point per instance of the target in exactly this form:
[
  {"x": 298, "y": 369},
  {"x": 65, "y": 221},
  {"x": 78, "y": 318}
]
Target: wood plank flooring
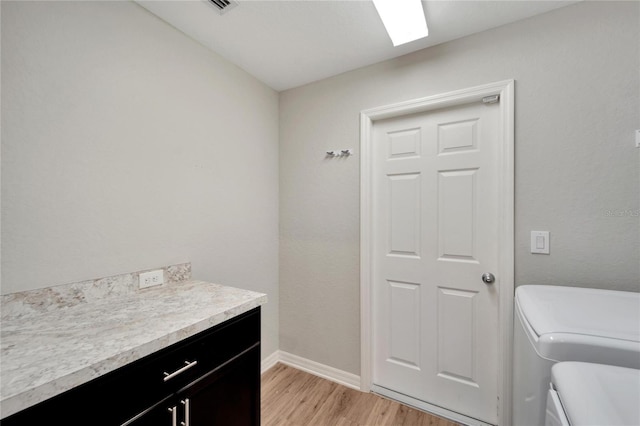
[{"x": 293, "y": 397}]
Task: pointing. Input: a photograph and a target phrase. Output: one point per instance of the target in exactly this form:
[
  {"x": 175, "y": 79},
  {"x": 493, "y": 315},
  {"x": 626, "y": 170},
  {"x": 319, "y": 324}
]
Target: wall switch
[
  {"x": 638, "y": 138},
  {"x": 540, "y": 242},
  {"x": 151, "y": 278}
]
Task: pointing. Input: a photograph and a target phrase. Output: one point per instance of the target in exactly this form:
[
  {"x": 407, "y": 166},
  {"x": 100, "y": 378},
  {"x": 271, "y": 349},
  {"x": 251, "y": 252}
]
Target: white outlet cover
[
  {"x": 151, "y": 278},
  {"x": 638, "y": 138}
]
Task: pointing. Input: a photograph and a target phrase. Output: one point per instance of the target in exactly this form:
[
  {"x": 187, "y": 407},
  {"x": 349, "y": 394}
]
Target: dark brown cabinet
[
  {"x": 228, "y": 395},
  {"x": 209, "y": 379}
]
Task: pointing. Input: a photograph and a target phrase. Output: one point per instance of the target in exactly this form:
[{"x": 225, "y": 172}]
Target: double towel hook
[{"x": 341, "y": 153}]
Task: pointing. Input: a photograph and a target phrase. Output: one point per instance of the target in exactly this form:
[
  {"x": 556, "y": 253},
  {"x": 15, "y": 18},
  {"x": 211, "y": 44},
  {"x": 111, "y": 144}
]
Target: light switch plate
[
  {"x": 638, "y": 138},
  {"x": 540, "y": 242}
]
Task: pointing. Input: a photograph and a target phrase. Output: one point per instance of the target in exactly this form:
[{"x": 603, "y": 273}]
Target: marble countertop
[{"x": 46, "y": 353}]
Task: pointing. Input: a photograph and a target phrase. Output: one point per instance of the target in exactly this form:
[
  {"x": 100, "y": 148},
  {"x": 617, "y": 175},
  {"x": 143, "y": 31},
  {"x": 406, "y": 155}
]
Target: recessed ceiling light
[{"x": 403, "y": 19}]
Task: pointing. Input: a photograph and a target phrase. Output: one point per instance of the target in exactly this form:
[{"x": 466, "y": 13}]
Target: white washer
[
  {"x": 554, "y": 324},
  {"x": 593, "y": 394}
]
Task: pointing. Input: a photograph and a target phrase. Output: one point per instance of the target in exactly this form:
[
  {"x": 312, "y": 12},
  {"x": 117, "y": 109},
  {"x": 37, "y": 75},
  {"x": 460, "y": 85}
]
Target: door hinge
[{"x": 491, "y": 99}]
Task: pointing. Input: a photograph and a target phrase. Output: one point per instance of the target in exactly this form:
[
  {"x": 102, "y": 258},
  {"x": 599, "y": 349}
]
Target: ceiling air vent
[{"x": 222, "y": 6}]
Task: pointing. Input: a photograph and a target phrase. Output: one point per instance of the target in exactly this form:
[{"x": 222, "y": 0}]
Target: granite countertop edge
[{"x": 13, "y": 402}]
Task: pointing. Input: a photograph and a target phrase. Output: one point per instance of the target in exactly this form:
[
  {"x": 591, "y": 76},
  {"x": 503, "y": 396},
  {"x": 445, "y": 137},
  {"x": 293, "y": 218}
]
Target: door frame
[{"x": 505, "y": 272}]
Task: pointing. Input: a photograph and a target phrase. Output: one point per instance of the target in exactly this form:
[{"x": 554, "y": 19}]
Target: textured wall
[
  {"x": 128, "y": 146},
  {"x": 577, "y": 170}
]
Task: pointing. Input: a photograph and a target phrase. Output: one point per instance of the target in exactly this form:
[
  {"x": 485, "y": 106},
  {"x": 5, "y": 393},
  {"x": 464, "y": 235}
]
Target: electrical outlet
[
  {"x": 637, "y": 138},
  {"x": 151, "y": 278}
]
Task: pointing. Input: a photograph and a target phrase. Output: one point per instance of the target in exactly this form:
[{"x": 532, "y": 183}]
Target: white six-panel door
[{"x": 435, "y": 218}]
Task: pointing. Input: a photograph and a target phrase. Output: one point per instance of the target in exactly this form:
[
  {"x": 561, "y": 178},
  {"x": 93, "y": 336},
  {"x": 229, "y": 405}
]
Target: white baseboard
[
  {"x": 330, "y": 373},
  {"x": 269, "y": 361}
]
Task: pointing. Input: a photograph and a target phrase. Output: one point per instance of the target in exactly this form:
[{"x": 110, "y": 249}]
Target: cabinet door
[{"x": 229, "y": 395}]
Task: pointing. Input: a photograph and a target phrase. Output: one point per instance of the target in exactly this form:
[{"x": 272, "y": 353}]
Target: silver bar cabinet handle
[
  {"x": 174, "y": 416},
  {"x": 185, "y": 402},
  {"x": 187, "y": 366}
]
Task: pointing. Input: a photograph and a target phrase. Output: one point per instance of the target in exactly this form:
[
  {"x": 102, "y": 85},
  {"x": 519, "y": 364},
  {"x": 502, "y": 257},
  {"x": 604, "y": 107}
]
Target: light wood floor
[{"x": 293, "y": 397}]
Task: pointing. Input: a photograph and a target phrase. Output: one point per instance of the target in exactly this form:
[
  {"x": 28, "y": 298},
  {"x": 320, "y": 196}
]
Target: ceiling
[{"x": 287, "y": 44}]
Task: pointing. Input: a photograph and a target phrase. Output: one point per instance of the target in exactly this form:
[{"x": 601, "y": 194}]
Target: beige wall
[
  {"x": 127, "y": 146},
  {"x": 577, "y": 106}
]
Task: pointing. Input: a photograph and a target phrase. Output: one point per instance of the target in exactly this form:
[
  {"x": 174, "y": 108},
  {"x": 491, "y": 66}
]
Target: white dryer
[
  {"x": 593, "y": 394},
  {"x": 554, "y": 324}
]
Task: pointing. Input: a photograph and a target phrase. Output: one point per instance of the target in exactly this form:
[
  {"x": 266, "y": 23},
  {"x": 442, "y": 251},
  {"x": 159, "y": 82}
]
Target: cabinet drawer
[
  {"x": 228, "y": 395},
  {"x": 166, "y": 372},
  {"x": 121, "y": 394}
]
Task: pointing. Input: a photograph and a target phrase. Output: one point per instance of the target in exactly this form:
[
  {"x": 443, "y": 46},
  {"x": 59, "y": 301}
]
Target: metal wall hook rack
[{"x": 340, "y": 153}]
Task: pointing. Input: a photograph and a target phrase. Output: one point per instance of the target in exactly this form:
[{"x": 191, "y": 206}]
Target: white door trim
[{"x": 506, "y": 208}]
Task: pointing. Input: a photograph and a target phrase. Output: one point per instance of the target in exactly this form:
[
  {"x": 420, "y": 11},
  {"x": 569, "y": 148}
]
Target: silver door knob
[{"x": 488, "y": 278}]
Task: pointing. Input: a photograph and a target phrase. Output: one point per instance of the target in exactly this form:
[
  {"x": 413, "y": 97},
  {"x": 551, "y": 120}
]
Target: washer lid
[
  {"x": 597, "y": 394},
  {"x": 585, "y": 311}
]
